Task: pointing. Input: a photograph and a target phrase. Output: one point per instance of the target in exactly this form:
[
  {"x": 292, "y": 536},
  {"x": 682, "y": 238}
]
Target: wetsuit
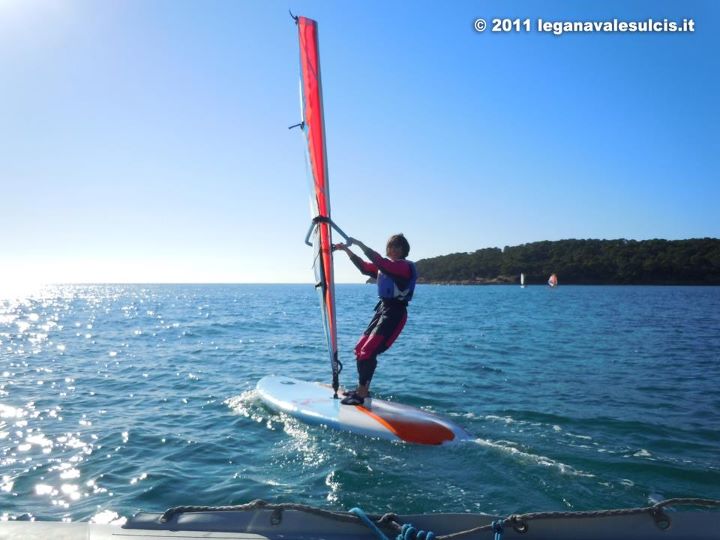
[{"x": 396, "y": 283}]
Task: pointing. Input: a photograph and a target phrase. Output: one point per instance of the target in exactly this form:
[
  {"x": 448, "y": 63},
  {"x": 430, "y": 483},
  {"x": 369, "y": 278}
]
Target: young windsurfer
[{"x": 396, "y": 278}]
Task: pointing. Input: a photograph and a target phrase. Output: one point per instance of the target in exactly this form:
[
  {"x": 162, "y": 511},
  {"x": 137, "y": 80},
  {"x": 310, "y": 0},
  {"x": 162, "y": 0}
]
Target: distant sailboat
[
  {"x": 522, "y": 281},
  {"x": 553, "y": 280}
]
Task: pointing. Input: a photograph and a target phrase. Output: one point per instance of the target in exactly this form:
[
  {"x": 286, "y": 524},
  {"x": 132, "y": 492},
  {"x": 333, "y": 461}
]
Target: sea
[{"x": 121, "y": 398}]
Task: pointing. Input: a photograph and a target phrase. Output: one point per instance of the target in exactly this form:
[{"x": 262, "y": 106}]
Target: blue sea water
[{"x": 119, "y": 398}]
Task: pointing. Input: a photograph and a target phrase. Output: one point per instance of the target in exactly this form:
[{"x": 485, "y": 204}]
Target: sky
[{"x": 148, "y": 142}]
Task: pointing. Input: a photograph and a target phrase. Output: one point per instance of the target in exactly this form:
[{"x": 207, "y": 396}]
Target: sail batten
[{"x": 313, "y": 125}]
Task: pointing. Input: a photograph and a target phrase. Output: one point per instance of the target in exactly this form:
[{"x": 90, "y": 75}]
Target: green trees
[{"x": 652, "y": 262}]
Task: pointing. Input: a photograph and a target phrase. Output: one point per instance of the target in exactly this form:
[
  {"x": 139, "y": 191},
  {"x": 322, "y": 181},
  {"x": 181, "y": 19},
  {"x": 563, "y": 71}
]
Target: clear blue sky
[{"x": 147, "y": 141}]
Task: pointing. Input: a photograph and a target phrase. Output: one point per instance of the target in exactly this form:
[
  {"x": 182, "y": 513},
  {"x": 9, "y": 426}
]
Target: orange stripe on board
[{"x": 414, "y": 432}]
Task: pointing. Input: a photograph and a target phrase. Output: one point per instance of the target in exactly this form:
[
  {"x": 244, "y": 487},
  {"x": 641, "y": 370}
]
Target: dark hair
[{"x": 398, "y": 240}]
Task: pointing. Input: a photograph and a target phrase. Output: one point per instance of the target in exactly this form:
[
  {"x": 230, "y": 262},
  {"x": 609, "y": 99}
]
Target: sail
[
  {"x": 522, "y": 280},
  {"x": 553, "y": 281},
  {"x": 313, "y": 125}
]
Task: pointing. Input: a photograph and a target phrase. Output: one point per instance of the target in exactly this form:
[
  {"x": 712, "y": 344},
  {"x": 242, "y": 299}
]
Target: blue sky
[{"x": 147, "y": 141}]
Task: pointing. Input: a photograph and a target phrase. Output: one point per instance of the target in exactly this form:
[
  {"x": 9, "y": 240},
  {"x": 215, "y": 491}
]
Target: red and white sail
[{"x": 313, "y": 124}]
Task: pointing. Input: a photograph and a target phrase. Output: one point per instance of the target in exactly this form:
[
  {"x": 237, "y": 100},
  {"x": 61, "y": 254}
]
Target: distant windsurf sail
[
  {"x": 313, "y": 125},
  {"x": 553, "y": 281},
  {"x": 522, "y": 280}
]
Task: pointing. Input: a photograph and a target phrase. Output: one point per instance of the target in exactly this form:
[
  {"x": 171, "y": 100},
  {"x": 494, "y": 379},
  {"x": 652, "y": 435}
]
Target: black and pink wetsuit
[{"x": 396, "y": 284}]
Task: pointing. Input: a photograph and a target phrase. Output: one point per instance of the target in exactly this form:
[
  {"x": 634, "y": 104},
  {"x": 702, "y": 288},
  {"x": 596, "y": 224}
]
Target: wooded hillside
[{"x": 650, "y": 262}]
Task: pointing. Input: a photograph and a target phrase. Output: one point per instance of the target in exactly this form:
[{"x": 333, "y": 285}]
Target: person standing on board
[{"x": 396, "y": 278}]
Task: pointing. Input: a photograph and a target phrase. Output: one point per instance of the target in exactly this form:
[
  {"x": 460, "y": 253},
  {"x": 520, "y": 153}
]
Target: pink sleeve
[
  {"x": 399, "y": 269},
  {"x": 369, "y": 269}
]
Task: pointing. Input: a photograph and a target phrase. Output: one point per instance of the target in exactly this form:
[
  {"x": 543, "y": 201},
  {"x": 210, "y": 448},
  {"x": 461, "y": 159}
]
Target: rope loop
[
  {"x": 408, "y": 532},
  {"x": 498, "y": 526},
  {"x": 367, "y": 521},
  {"x": 520, "y": 525},
  {"x": 390, "y": 518},
  {"x": 662, "y": 520}
]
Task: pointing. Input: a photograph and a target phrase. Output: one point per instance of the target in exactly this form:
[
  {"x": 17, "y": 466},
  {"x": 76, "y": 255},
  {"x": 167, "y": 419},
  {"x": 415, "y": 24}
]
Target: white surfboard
[{"x": 313, "y": 402}]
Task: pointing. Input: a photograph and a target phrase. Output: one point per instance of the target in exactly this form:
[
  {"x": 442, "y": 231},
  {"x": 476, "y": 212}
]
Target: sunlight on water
[
  {"x": 248, "y": 405},
  {"x": 116, "y": 398},
  {"x": 334, "y": 488},
  {"x": 18, "y": 290}
]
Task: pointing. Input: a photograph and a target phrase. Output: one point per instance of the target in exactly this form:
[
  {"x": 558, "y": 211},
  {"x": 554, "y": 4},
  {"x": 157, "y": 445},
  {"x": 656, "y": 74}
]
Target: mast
[{"x": 313, "y": 126}]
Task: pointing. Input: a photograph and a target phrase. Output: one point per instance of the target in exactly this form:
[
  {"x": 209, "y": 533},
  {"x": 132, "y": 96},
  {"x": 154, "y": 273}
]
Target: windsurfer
[{"x": 396, "y": 278}]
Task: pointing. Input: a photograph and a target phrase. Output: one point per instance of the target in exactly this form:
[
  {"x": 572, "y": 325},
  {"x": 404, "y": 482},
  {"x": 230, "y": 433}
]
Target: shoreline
[{"x": 516, "y": 283}]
